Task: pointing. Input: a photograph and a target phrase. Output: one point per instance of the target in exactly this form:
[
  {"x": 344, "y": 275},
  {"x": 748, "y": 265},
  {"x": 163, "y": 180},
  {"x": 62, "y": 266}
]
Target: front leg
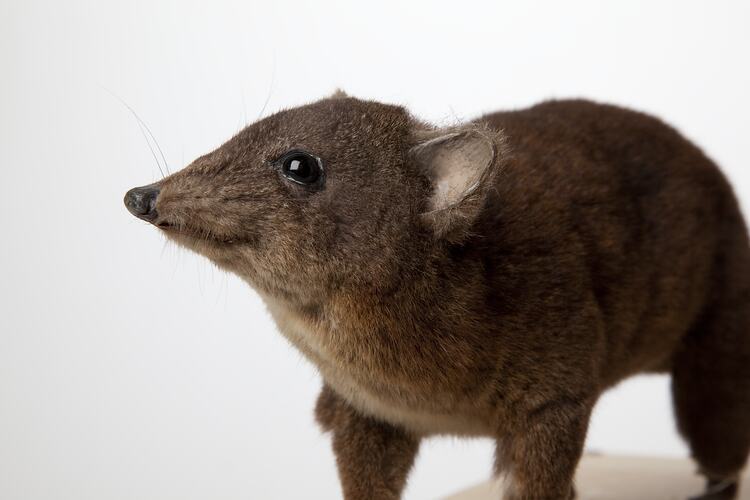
[
  {"x": 540, "y": 456},
  {"x": 373, "y": 457}
]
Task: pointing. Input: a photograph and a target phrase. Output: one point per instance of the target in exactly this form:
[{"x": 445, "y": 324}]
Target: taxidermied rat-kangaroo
[{"x": 488, "y": 279}]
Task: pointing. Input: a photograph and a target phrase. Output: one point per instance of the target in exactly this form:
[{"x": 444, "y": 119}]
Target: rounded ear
[{"x": 460, "y": 166}]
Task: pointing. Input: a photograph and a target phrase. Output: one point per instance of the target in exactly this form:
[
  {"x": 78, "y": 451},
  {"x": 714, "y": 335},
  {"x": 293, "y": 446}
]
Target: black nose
[{"x": 141, "y": 201}]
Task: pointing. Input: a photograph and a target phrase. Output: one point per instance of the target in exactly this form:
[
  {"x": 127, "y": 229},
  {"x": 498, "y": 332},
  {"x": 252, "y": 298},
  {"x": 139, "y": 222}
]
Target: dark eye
[{"x": 301, "y": 167}]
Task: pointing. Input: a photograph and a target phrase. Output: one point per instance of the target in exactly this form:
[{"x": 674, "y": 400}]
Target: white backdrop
[{"x": 131, "y": 369}]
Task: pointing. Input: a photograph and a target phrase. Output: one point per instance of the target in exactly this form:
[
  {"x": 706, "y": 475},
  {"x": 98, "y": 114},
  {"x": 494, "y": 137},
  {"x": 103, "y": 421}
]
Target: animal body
[{"x": 488, "y": 279}]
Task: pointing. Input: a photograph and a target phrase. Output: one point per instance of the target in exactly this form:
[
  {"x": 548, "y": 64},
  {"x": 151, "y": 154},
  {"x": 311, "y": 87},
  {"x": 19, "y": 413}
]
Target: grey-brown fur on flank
[{"x": 490, "y": 279}]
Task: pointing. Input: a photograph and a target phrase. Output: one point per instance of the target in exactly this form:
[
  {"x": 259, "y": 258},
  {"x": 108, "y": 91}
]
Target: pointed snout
[{"x": 141, "y": 202}]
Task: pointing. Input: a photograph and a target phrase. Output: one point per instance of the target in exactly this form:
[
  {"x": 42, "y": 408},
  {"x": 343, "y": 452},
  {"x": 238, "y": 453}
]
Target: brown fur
[{"x": 575, "y": 244}]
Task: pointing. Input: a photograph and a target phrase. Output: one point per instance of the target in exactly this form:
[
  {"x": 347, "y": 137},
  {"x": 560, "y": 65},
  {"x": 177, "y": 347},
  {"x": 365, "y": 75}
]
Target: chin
[{"x": 224, "y": 252}]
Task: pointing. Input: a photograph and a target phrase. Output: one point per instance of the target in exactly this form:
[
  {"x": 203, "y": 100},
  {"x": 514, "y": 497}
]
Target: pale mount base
[{"x": 624, "y": 478}]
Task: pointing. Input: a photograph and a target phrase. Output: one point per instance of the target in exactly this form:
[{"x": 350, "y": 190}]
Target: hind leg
[{"x": 711, "y": 390}]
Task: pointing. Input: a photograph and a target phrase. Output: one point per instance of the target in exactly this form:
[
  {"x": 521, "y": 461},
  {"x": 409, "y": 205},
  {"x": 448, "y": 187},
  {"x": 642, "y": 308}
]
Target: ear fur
[{"x": 461, "y": 165}]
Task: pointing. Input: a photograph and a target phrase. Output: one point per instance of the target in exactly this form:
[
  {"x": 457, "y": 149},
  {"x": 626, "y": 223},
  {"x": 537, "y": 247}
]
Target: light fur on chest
[{"x": 315, "y": 342}]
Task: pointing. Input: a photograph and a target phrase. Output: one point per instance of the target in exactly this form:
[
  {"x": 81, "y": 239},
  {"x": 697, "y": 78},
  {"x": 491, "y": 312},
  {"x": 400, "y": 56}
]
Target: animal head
[{"x": 339, "y": 193}]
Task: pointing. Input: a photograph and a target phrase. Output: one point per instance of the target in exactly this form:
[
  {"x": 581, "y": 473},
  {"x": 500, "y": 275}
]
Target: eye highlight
[{"x": 301, "y": 167}]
